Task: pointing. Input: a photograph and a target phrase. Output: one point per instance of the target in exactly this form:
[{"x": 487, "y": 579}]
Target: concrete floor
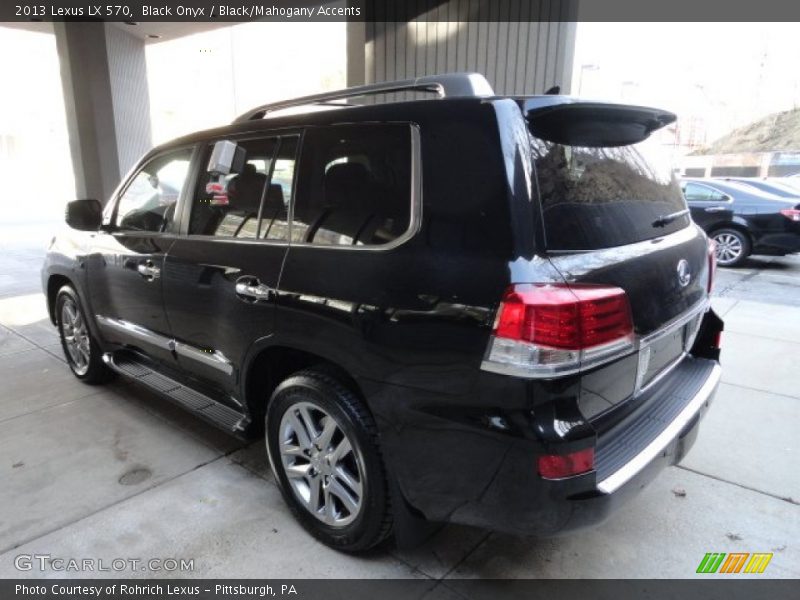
[{"x": 114, "y": 471}]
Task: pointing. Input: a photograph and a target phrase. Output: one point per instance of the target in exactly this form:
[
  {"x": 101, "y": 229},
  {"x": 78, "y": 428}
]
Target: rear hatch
[{"x": 613, "y": 215}]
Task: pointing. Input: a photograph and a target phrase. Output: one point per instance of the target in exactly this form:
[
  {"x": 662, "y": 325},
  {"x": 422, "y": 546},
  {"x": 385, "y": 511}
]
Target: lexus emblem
[{"x": 684, "y": 272}]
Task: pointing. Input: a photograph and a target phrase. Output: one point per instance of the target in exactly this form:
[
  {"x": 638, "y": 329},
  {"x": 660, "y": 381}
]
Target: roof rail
[{"x": 446, "y": 86}]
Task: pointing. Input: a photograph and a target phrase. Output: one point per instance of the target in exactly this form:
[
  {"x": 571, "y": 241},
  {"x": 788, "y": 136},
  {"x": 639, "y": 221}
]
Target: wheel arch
[
  {"x": 735, "y": 224},
  {"x": 269, "y": 366},
  {"x": 54, "y": 283}
]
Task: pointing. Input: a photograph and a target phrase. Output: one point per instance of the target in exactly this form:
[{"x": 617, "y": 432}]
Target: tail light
[
  {"x": 712, "y": 264},
  {"x": 793, "y": 214},
  {"x": 557, "y": 466},
  {"x": 544, "y": 330}
]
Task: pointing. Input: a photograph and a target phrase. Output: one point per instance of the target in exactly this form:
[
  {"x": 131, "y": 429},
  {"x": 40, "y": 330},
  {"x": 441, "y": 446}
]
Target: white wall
[{"x": 206, "y": 80}]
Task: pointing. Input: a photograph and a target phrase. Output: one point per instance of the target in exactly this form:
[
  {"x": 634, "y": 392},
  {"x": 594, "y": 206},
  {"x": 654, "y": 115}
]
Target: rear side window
[
  {"x": 695, "y": 192},
  {"x": 600, "y": 197},
  {"x": 354, "y": 185}
]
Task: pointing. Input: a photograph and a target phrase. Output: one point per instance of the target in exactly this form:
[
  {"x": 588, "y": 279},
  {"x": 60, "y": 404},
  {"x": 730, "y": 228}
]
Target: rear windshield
[{"x": 600, "y": 197}]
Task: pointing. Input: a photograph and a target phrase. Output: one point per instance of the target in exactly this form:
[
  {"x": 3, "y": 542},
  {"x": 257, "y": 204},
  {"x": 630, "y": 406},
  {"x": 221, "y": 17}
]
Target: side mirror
[
  {"x": 226, "y": 157},
  {"x": 84, "y": 215}
]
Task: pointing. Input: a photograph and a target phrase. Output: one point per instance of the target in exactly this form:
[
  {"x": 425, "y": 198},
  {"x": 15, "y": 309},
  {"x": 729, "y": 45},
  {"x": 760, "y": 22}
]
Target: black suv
[{"x": 467, "y": 308}]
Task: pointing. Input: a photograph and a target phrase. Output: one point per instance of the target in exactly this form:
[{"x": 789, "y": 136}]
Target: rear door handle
[
  {"x": 250, "y": 289},
  {"x": 148, "y": 270},
  {"x": 713, "y": 209}
]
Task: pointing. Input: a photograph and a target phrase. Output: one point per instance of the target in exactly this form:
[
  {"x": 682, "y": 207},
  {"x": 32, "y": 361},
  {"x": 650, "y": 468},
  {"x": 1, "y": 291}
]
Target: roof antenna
[{"x": 553, "y": 91}]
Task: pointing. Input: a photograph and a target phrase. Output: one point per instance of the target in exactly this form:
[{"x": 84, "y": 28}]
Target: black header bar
[
  {"x": 396, "y": 589},
  {"x": 400, "y": 10}
]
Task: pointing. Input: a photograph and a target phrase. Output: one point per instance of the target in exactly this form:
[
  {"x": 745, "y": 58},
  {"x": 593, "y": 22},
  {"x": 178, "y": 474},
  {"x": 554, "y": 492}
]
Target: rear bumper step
[
  {"x": 198, "y": 403},
  {"x": 628, "y": 448}
]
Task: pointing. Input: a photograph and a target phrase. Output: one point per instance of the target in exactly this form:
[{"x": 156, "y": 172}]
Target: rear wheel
[
  {"x": 732, "y": 247},
  {"x": 80, "y": 348},
  {"x": 324, "y": 451}
]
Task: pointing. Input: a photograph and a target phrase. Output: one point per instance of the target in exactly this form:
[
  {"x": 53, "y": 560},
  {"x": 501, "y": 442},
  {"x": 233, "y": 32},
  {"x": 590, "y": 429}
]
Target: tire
[
  {"x": 348, "y": 489},
  {"x": 81, "y": 350},
  {"x": 733, "y": 247}
]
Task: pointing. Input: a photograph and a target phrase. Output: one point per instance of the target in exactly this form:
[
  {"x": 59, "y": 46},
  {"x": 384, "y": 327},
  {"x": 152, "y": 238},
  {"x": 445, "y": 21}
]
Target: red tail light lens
[
  {"x": 545, "y": 330},
  {"x": 718, "y": 340},
  {"x": 793, "y": 214},
  {"x": 712, "y": 264},
  {"x": 557, "y": 466},
  {"x": 572, "y": 318}
]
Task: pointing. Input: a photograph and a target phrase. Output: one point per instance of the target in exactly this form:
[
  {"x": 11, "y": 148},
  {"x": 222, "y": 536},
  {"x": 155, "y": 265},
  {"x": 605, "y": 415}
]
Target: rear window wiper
[{"x": 665, "y": 220}]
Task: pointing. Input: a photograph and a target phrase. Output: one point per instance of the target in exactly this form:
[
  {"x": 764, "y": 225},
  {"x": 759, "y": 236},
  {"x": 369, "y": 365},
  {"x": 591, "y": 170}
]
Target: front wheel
[
  {"x": 324, "y": 451},
  {"x": 80, "y": 348},
  {"x": 732, "y": 247}
]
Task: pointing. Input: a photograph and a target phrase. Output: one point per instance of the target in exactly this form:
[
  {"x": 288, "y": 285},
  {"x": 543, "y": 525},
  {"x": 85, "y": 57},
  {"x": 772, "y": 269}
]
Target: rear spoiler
[{"x": 572, "y": 122}]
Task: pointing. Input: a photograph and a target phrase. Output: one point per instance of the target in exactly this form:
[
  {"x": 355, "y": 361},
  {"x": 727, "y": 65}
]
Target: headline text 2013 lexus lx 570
[{"x": 459, "y": 308}]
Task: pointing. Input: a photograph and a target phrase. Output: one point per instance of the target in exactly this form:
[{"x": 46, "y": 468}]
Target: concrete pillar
[
  {"x": 106, "y": 98},
  {"x": 130, "y": 94},
  {"x": 356, "y": 40},
  {"x": 566, "y": 57}
]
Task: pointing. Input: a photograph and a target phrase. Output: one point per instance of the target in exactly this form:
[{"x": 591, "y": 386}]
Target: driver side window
[
  {"x": 150, "y": 200},
  {"x": 701, "y": 193},
  {"x": 697, "y": 193}
]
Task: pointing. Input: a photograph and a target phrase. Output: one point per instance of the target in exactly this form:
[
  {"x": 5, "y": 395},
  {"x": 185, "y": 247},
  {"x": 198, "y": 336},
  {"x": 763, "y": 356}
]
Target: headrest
[
  {"x": 346, "y": 175},
  {"x": 274, "y": 200},
  {"x": 346, "y": 184},
  {"x": 249, "y": 169}
]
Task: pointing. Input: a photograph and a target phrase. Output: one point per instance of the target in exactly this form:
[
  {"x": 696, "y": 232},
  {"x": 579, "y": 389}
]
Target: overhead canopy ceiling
[
  {"x": 150, "y": 32},
  {"x": 168, "y": 31}
]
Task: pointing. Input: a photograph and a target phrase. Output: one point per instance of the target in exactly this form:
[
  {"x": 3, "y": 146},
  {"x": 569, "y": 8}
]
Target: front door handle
[
  {"x": 148, "y": 270},
  {"x": 251, "y": 289},
  {"x": 715, "y": 209}
]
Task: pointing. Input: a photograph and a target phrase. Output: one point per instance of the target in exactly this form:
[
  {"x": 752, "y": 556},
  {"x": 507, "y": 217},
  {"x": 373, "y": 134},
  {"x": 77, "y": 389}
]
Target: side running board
[{"x": 200, "y": 404}]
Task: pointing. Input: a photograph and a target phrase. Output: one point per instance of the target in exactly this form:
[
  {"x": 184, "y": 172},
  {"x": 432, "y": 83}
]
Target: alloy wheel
[
  {"x": 729, "y": 248},
  {"x": 76, "y": 337},
  {"x": 324, "y": 468}
]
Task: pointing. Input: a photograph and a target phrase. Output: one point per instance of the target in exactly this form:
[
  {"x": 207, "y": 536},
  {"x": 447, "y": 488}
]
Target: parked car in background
[
  {"x": 770, "y": 186},
  {"x": 743, "y": 220}
]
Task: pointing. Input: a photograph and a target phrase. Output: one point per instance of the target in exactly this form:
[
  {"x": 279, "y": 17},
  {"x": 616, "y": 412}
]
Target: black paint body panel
[{"x": 409, "y": 324}]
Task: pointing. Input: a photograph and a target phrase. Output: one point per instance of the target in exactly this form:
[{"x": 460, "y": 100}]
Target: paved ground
[{"x": 107, "y": 472}]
